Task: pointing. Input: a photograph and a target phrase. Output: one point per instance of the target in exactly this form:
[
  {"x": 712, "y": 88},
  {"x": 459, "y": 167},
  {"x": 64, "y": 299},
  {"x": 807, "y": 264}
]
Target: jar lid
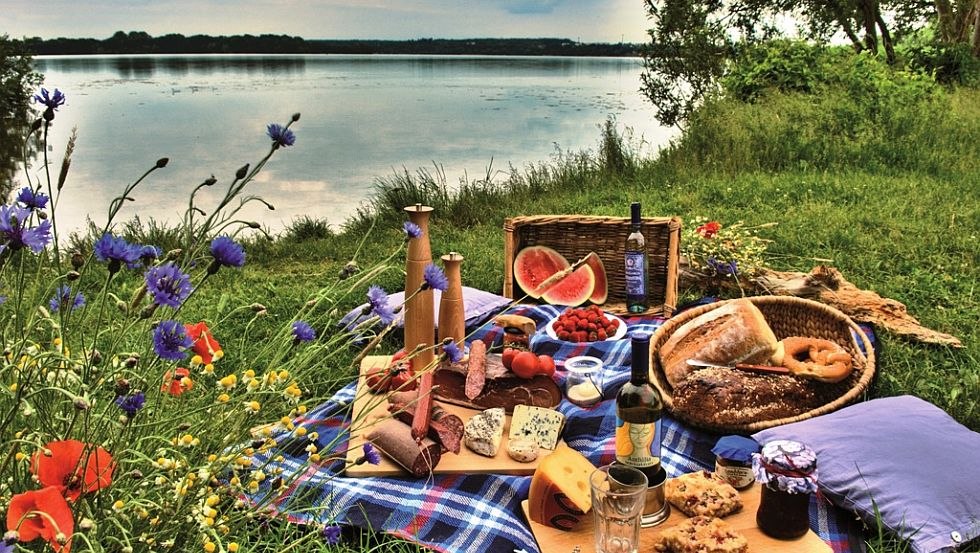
[
  {"x": 736, "y": 448},
  {"x": 583, "y": 364},
  {"x": 789, "y": 465}
]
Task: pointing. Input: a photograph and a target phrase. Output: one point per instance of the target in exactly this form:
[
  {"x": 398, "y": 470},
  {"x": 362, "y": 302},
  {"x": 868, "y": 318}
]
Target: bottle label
[
  {"x": 636, "y": 277},
  {"x": 638, "y": 445}
]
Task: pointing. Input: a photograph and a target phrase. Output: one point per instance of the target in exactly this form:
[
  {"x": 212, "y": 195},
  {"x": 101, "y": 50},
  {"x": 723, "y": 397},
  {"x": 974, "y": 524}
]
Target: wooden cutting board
[
  {"x": 370, "y": 408},
  {"x": 551, "y": 539}
]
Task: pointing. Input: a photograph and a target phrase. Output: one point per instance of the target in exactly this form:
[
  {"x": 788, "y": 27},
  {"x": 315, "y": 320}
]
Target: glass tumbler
[
  {"x": 583, "y": 385},
  {"x": 618, "y": 496}
]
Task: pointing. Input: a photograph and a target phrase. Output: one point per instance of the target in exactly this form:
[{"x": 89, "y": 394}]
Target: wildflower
[
  {"x": 434, "y": 278},
  {"x": 280, "y": 135},
  {"x": 723, "y": 267},
  {"x": 31, "y": 199},
  {"x": 73, "y": 467},
  {"x": 131, "y": 404},
  {"x": 378, "y": 302},
  {"x": 331, "y": 534},
  {"x": 12, "y": 227},
  {"x": 62, "y": 298},
  {"x": 168, "y": 285},
  {"x": 371, "y": 454},
  {"x": 303, "y": 332},
  {"x": 147, "y": 254},
  {"x": 177, "y": 382},
  {"x": 452, "y": 351},
  {"x": 228, "y": 382},
  {"x": 170, "y": 340},
  {"x": 253, "y": 406},
  {"x": 41, "y": 514},
  {"x": 411, "y": 230},
  {"x": 226, "y": 253},
  {"x": 709, "y": 229},
  {"x": 204, "y": 343},
  {"x": 53, "y": 101},
  {"x": 116, "y": 251},
  {"x": 224, "y": 398}
]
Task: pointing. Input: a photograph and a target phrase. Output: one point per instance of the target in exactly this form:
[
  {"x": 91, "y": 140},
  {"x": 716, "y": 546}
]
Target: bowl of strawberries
[{"x": 586, "y": 324}]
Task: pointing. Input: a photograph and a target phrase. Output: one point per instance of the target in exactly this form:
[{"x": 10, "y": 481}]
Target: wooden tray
[
  {"x": 553, "y": 539},
  {"x": 373, "y": 407}
]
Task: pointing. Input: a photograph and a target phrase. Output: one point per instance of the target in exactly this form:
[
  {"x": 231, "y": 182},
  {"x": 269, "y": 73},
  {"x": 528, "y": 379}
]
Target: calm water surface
[{"x": 363, "y": 117}]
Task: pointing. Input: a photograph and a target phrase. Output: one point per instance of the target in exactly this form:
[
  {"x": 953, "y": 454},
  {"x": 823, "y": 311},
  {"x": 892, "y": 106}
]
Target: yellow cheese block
[{"x": 560, "y": 494}]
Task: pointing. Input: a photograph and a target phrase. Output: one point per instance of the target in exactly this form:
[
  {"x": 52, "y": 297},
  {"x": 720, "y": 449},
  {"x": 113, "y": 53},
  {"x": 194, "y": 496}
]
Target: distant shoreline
[{"x": 142, "y": 43}]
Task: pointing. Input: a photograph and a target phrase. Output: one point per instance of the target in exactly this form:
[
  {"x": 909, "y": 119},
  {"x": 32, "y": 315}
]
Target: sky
[{"x": 581, "y": 20}]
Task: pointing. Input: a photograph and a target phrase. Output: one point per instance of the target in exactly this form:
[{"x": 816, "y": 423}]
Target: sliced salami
[
  {"x": 394, "y": 438},
  {"x": 476, "y": 372}
]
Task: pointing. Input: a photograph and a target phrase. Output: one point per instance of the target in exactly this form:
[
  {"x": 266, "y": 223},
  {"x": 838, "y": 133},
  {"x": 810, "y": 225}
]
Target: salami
[
  {"x": 445, "y": 427},
  {"x": 394, "y": 438},
  {"x": 476, "y": 371},
  {"x": 423, "y": 408}
]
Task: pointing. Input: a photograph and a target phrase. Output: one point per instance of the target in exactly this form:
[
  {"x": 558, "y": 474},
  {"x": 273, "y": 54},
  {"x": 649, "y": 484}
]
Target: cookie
[
  {"x": 701, "y": 534},
  {"x": 702, "y": 493}
]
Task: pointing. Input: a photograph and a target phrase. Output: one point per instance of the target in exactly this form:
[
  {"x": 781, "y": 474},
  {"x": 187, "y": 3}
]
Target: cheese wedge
[
  {"x": 536, "y": 423},
  {"x": 484, "y": 431},
  {"x": 560, "y": 495}
]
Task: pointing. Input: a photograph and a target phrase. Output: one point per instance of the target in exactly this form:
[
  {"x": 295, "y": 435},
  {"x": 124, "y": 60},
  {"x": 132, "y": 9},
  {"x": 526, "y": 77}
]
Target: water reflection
[{"x": 141, "y": 67}]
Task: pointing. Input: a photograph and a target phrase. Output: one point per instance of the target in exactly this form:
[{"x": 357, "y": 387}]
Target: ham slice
[{"x": 501, "y": 388}]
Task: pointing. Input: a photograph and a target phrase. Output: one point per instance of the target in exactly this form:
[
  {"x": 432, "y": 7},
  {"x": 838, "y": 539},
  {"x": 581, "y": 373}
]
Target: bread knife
[{"x": 769, "y": 369}]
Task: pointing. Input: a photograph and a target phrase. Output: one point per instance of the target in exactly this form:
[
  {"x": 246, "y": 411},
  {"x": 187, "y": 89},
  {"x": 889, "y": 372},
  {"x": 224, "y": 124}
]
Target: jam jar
[
  {"x": 787, "y": 471},
  {"x": 583, "y": 385},
  {"x": 733, "y": 460}
]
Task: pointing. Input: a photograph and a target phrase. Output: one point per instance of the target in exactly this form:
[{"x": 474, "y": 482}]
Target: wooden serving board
[
  {"x": 370, "y": 408},
  {"x": 553, "y": 539}
]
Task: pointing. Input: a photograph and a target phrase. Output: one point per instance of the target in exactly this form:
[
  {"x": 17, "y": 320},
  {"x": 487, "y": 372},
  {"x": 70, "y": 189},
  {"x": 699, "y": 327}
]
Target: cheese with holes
[
  {"x": 538, "y": 424},
  {"x": 484, "y": 431},
  {"x": 560, "y": 495}
]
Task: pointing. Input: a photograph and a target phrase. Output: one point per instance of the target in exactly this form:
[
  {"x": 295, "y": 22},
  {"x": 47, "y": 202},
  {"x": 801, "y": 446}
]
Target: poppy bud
[
  {"x": 183, "y": 426},
  {"x": 240, "y": 174},
  {"x": 72, "y": 276},
  {"x": 81, "y": 403},
  {"x": 77, "y": 260},
  {"x": 257, "y": 307},
  {"x": 162, "y": 162},
  {"x": 86, "y": 524},
  {"x": 136, "y": 474},
  {"x": 174, "y": 254},
  {"x": 96, "y": 357},
  {"x": 122, "y": 387},
  {"x": 131, "y": 361},
  {"x": 295, "y": 117},
  {"x": 42, "y": 215},
  {"x": 35, "y": 125},
  {"x": 210, "y": 181}
]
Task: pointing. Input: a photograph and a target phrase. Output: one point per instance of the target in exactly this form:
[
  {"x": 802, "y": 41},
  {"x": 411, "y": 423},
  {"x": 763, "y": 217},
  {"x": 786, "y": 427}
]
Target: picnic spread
[{"x": 491, "y": 433}]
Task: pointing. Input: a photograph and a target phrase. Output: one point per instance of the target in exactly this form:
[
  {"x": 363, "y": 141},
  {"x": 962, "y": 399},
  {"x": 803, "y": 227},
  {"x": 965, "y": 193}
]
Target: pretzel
[{"x": 816, "y": 359}]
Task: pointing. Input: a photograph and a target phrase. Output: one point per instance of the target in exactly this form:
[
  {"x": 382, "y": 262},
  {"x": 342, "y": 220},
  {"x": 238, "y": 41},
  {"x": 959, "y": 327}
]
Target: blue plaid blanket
[{"x": 467, "y": 512}]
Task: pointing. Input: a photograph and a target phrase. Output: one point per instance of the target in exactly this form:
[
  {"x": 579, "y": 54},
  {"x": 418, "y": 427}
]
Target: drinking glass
[{"x": 618, "y": 496}]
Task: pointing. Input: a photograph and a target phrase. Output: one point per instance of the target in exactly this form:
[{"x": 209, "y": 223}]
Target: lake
[{"x": 363, "y": 117}]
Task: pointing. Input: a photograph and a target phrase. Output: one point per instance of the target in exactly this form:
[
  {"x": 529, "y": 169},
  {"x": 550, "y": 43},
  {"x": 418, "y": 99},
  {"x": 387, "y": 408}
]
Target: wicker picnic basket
[
  {"x": 574, "y": 236},
  {"x": 787, "y": 316}
]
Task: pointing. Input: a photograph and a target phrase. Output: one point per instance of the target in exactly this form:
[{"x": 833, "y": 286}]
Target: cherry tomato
[
  {"x": 508, "y": 356},
  {"x": 546, "y": 365},
  {"x": 525, "y": 365},
  {"x": 396, "y": 376}
]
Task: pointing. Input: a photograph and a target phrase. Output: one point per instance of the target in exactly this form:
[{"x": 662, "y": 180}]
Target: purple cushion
[
  {"x": 904, "y": 457},
  {"x": 478, "y": 305}
]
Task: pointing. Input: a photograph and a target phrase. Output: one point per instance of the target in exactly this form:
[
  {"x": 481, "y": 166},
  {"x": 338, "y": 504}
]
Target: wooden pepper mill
[
  {"x": 452, "y": 315},
  {"x": 420, "y": 308}
]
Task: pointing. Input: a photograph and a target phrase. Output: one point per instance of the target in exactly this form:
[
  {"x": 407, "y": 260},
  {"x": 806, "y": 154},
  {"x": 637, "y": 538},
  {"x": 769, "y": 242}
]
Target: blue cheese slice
[
  {"x": 539, "y": 424},
  {"x": 484, "y": 431}
]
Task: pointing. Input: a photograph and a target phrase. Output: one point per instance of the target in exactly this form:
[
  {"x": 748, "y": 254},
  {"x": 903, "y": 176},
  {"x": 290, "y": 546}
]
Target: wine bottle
[
  {"x": 638, "y": 412},
  {"x": 636, "y": 264}
]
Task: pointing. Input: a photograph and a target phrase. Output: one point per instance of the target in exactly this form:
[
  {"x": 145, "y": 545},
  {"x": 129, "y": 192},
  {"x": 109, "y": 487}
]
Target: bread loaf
[{"x": 733, "y": 333}]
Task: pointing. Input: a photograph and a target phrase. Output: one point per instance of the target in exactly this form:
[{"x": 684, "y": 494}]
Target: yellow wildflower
[
  {"x": 197, "y": 360},
  {"x": 228, "y": 382},
  {"x": 209, "y": 547},
  {"x": 253, "y": 406},
  {"x": 209, "y": 368},
  {"x": 233, "y": 547},
  {"x": 224, "y": 398}
]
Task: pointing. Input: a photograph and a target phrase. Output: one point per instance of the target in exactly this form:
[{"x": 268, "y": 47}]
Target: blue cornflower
[
  {"x": 371, "y": 454},
  {"x": 331, "y": 534},
  {"x": 146, "y": 255},
  {"x": 434, "y": 278},
  {"x": 13, "y": 220},
  {"x": 723, "y": 267},
  {"x": 378, "y": 302},
  {"x": 280, "y": 135},
  {"x": 62, "y": 298},
  {"x": 116, "y": 251},
  {"x": 53, "y": 101},
  {"x": 303, "y": 332},
  {"x": 32, "y": 199},
  {"x": 226, "y": 252},
  {"x": 132, "y": 403},
  {"x": 453, "y": 352},
  {"x": 168, "y": 285},
  {"x": 411, "y": 230},
  {"x": 170, "y": 340}
]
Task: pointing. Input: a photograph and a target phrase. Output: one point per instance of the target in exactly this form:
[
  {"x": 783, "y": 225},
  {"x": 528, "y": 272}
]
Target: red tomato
[
  {"x": 508, "y": 356},
  {"x": 525, "y": 365},
  {"x": 396, "y": 376},
  {"x": 546, "y": 365}
]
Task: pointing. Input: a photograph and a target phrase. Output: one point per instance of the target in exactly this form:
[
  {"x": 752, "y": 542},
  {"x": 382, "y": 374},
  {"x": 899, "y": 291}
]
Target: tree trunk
[
  {"x": 868, "y": 10},
  {"x": 945, "y": 12},
  {"x": 886, "y": 38},
  {"x": 976, "y": 29},
  {"x": 845, "y": 22}
]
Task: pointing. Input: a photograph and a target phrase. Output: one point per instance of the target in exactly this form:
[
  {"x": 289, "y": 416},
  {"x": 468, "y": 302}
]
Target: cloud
[{"x": 531, "y": 6}]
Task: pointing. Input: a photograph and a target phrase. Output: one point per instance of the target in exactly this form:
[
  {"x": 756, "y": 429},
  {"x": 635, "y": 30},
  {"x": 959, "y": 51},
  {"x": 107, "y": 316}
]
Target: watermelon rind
[
  {"x": 601, "y": 292},
  {"x": 573, "y": 290},
  {"x": 534, "y": 264}
]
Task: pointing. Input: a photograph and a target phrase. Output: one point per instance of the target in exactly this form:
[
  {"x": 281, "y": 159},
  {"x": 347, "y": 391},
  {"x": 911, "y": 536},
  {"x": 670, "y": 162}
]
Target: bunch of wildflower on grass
[
  {"x": 127, "y": 406},
  {"x": 723, "y": 251}
]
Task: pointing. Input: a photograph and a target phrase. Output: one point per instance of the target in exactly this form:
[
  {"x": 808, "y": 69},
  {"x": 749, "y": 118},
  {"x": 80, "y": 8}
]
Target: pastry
[
  {"x": 814, "y": 358},
  {"x": 701, "y": 534},
  {"x": 702, "y": 493},
  {"x": 733, "y": 333}
]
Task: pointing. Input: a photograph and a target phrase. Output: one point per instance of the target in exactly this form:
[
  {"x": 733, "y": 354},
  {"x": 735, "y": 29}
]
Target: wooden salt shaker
[
  {"x": 452, "y": 316},
  {"x": 420, "y": 309}
]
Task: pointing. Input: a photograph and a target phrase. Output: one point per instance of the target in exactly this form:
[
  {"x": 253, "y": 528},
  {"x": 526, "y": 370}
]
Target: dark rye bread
[{"x": 718, "y": 397}]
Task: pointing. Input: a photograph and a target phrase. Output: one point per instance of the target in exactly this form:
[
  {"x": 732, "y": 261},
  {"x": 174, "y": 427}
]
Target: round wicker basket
[{"x": 787, "y": 316}]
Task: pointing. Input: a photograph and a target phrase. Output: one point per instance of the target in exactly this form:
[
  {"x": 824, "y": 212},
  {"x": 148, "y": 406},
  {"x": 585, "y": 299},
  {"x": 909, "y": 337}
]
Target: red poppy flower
[
  {"x": 204, "y": 343},
  {"x": 73, "y": 467},
  {"x": 43, "y": 514},
  {"x": 709, "y": 229},
  {"x": 173, "y": 382}
]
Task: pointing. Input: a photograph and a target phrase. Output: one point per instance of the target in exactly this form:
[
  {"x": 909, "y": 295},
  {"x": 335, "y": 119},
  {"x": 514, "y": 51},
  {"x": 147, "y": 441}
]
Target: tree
[
  {"x": 17, "y": 83},
  {"x": 693, "y": 41}
]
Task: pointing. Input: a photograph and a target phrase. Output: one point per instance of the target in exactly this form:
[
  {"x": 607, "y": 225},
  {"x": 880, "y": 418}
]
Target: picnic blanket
[{"x": 478, "y": 512}]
